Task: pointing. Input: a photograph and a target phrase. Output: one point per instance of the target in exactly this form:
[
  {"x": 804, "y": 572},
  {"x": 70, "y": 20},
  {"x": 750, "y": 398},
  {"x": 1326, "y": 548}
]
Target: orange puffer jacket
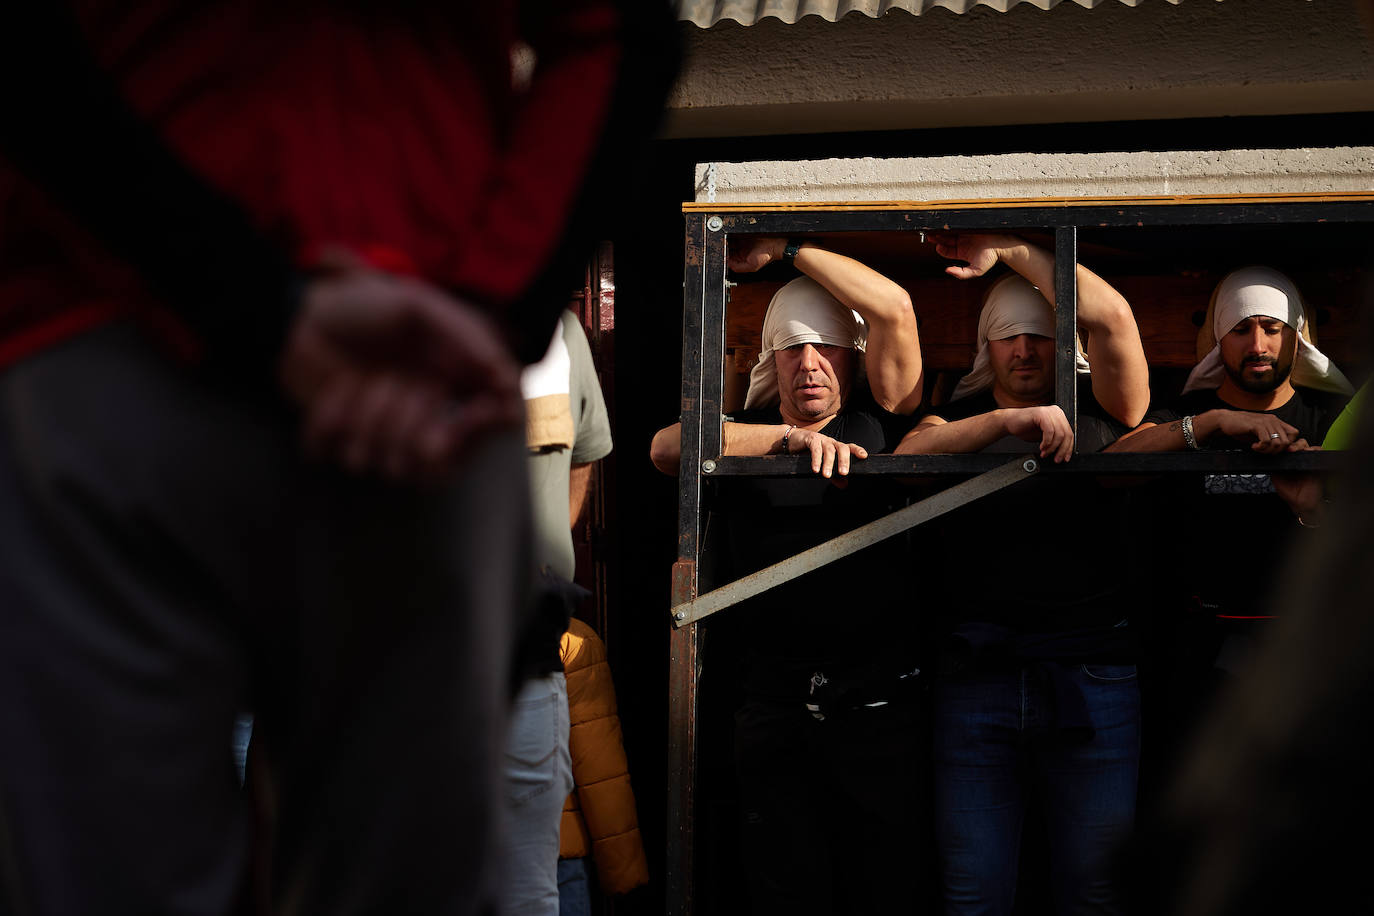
[{"x": 599, "y": 816}]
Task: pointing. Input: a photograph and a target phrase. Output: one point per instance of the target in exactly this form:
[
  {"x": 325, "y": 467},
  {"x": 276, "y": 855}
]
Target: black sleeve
[
  {"x": 1190, "y": 404},
  {"x": 869, "y": 430},
  {"x": 1159, "y": 414},
  {"x": 68, "y": 132},
  {"x": 971, "y": 406},
  {"x": 895, "y": 427}
]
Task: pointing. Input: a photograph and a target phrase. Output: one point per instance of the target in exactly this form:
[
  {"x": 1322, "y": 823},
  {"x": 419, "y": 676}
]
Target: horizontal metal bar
[
  {"x": 1234, "y": 462},
  {"x": 851, "y": 542},
  {"x": 1003, "y": 203},
  {"x": 783, "y": 221}
]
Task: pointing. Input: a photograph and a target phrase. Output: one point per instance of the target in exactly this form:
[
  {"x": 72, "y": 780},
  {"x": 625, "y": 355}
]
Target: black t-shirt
[
  {"x": 1050, "y": 554},
  {"x": 1311, "y": 412},
  {"x": 1222, "y": 537},
  {"x": 841, "y": 616}
]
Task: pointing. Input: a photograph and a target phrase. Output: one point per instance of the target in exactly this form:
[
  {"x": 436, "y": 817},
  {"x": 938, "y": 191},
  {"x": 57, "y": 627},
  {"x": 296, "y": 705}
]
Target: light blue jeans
[{"x": 538, "y": 778}]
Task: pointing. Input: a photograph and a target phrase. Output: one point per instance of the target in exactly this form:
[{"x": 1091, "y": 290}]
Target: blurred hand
[
  {"x": 394, "y": 376},
  {"x": 1302, "y": 492}
]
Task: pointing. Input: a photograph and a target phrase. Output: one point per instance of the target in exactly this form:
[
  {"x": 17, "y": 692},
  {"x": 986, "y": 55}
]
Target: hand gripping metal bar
[{"x": 851, "y": 542}]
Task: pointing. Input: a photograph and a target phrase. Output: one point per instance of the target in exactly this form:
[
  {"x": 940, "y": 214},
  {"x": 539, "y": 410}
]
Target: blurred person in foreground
[{"x": 230, "y": 230}]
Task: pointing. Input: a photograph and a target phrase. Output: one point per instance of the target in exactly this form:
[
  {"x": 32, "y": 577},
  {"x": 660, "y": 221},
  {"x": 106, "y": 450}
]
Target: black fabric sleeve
[
  {"x": 972, "y": 406},
  {"x": 68, "y": 132},
  {"x": 1159, "y": 414}
]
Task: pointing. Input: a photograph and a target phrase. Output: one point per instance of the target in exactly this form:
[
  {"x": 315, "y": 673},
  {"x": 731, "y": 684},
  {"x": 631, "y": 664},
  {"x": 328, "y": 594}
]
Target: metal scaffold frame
[{"x": 705, "y": 292}]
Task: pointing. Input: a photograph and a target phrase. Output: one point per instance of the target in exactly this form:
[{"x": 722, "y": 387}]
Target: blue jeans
[
  {"x": 538, "y": 777},
  {"x": 996, "y": 747},
  {"x": 574, "y": 887}
]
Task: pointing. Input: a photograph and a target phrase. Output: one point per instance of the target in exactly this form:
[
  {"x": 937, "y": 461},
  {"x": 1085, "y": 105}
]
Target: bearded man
[{"x": 1262, "y": 385}]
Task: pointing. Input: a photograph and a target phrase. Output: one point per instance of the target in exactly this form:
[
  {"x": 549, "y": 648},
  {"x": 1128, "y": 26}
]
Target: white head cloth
[
  {"x": 801, "y": 312},
  {"x": 1011, "y": 307},
  {"x": 1262, "y": 291}
]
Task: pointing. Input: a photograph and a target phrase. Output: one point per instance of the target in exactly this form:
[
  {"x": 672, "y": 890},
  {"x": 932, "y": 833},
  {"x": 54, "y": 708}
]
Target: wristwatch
[{"x": 789, "y": 254}]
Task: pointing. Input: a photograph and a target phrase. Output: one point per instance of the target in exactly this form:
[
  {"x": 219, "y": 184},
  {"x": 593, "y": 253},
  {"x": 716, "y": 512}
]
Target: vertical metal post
[
  {"x": 1066, "y": 322},
  {"x": 684, "y": 642},
  {"x": 682, "y": 748},
  {"x": 713, "y": 297}
]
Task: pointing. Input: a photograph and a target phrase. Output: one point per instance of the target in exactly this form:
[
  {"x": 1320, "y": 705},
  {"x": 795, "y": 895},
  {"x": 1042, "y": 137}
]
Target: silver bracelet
[
  {"x": 1188, "y": 438},
  {"x": 787, "y": 432}
]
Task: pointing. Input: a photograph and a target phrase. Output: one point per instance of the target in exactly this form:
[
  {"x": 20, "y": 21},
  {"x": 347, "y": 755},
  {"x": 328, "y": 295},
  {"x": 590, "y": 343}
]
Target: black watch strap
[{"x": 789, "y": 254}]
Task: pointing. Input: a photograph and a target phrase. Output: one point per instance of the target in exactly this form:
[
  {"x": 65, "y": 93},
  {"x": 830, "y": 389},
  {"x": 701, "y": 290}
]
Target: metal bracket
[{"x": 851, "y": 542}]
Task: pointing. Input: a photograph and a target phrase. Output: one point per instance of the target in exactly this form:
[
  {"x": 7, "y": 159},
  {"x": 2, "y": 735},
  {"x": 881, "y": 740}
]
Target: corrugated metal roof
[{"x": 706, "y": 13}]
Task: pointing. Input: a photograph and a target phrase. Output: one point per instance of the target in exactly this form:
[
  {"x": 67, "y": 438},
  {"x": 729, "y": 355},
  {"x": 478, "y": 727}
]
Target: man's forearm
[
  {"x": 1030, "y": 261},
  {"x": 1163, "y": 437},
  {"x": 1168, "y": 437},
  {"x": 736, "y": 439},
  {"x": 972, "y": 434},
  {"x": 753, "y": 438},
  {"x": 1121, "y": 375}
]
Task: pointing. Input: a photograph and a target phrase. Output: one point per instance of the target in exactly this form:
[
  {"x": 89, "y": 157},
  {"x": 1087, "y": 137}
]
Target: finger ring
[{"x": 1273, "y": 435}]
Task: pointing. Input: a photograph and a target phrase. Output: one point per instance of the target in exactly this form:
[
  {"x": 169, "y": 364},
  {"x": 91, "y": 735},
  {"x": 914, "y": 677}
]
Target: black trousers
[
  {"x": 835, "y": 812},
  {"x": 166, "y": 561}
]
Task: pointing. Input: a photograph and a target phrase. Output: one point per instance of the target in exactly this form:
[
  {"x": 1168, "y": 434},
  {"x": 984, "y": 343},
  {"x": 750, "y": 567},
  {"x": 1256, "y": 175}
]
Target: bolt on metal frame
[{"x": 705, "y": 293}]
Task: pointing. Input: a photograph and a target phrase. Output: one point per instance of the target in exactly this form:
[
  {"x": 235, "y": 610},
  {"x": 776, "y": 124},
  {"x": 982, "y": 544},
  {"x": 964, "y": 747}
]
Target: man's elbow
[
  {"x": 1115, "y": 315},
  {"x": 913, "y": 443},
  {"x": 901, "y": 304},
  {"x": 892, "y": 308},
  {"x": 1129, "y": 441},
  {"x": 1133, "y": 409},
  {"x": 666, "y": 450},
  {"x": 896, "y": 383},
  {"x": 902, "y": 403}
]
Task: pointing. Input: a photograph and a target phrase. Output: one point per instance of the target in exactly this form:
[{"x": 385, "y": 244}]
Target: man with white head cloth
[
  {"x": 818, "y": 330},
  {"x": 1262, "y": 385},
  {"x": 827, "y": 746},
  {"x": 1035, "y": 695}
]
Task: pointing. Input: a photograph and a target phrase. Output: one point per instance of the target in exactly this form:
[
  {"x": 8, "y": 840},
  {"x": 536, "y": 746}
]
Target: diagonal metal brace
[{"x": 853, "y": 541}]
